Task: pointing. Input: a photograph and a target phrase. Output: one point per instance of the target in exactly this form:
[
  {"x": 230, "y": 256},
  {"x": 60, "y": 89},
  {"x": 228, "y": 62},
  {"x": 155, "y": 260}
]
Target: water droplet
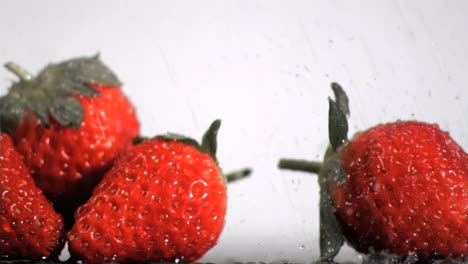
[
  {"x": 214, "y": 216},
  {"x": 130, "y": 178},
  {"x": 98, "y": 215},
  {"x": 198, "y": 189},
  {"x": 302, "y": 248}
]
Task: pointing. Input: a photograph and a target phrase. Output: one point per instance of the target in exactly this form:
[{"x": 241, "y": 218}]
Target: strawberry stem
[
  {"x": 19, "y": 71},
  {"x": 237, "y": 175},
  {"x": 300, "y": 165}
]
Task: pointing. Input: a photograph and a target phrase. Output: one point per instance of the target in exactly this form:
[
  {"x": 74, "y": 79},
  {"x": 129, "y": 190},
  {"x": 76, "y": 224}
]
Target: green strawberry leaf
[
  {"x": 209, "y": 142},
  {"x": 75, "y": 75},
  {"x": 337, "y": 117},
  {"x": 179, "y": 138},
  {"x": 78, "y": 87},
  {"x": 67, "y": 111},
  {"x": 331, "y": 238},
  {"x": 10, "y": 112},
  {"x": 335, "y": 172},
  {"x": 40, "y": 110},
  {"x": 337, "y": 125},
  {"x": 341, "y": 98}
]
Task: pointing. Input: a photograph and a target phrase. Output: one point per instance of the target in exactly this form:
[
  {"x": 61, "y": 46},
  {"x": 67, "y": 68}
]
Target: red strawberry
[
  {"x": 70, "y": 123},
  {"x": 163, "y": 200},
  {"x": 29, "y": 226},
  {"x": 406, "y": 191},
  {"x": 399, "y": 188}
]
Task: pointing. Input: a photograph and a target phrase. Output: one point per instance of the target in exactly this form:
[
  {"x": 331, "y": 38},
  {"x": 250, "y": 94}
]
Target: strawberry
[
  {"x": 29, "y": 226},
  {"x": 70, "y": 123},
  {"x": 163, "y": 200},
  {"x": 399, "y": 188},
  {"x": 411, "y": 178}
]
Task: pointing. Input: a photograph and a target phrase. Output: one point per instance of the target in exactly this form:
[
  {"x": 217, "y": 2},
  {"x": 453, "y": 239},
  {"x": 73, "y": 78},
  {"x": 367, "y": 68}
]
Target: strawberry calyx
[
  {"x": 331, "y": 173},
  {"x": 208, "y": 145},
  {"x": 50, "y": 93}
]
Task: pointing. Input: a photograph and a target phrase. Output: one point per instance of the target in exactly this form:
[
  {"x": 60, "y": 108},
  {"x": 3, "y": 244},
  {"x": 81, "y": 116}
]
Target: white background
[{"x": 264, "y": 68}]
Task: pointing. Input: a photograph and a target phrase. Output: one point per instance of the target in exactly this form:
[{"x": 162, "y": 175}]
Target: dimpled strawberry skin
[
  {"x": 29, "y": 227},
  {"x": 70, "y": 162},
  {"x": 406, "y": 191},
  {"x": 163, "y": 200}
]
